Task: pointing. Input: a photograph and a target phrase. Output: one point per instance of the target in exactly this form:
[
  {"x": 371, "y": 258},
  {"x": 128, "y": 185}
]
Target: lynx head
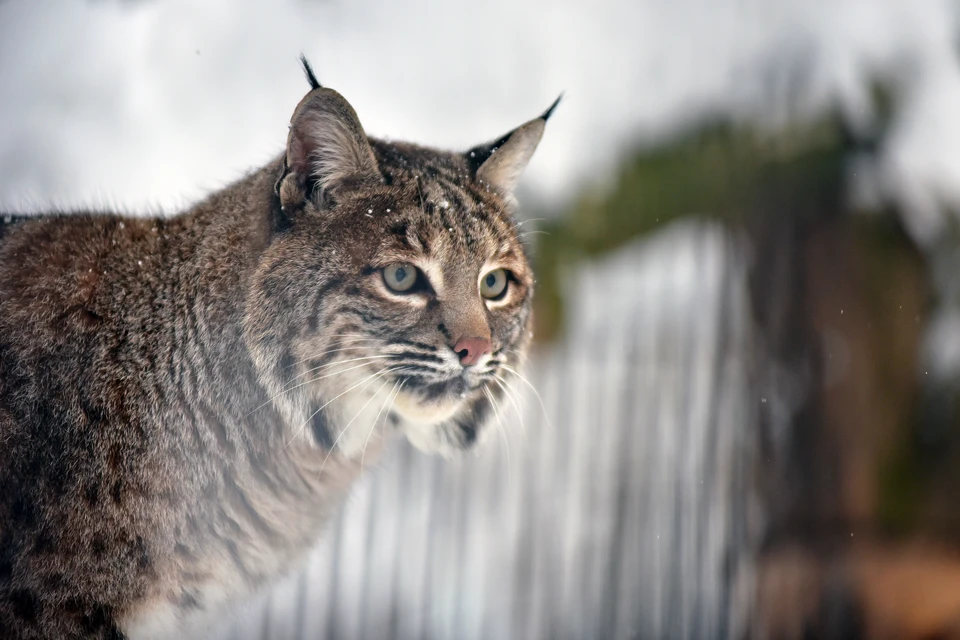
[{"x": 397, "y": 290}]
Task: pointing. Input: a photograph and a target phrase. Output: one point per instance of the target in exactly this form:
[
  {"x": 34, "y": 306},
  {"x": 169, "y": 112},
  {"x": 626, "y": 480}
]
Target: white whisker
[
  {"x": 516, "y": 405},
  {"x": 303, "y": 384},
  {"x": 501, "y": 431},
  {"x": 346, "y": 427},
  {"x": 397, "y": 387},
  {"x": 359, "y": 411},
  {"x": 523, "y": 222},
  {"x": 534, "y": 389},
  {"x": 523, "y": 357},
  {"x": 342, "y": 346},
  {"x": 336, "y": 362},
  {"x": 368, "y": 378}
]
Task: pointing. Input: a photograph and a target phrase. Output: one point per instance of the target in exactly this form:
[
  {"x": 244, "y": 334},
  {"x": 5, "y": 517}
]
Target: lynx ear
[
  {"x": 500, "y": 163},
  {"x": 326, "y": 147}
]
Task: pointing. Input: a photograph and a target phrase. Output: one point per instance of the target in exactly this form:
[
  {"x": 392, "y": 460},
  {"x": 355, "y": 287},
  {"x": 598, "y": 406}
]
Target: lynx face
[{"x": 397, "y": 290}]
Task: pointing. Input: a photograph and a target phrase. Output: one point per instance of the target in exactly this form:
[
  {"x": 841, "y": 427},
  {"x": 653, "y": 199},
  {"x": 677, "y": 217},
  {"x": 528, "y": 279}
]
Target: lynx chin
[{"x": 184, "y": 401}]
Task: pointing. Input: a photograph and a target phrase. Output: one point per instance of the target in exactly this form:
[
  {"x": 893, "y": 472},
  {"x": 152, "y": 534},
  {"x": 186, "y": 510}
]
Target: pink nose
[{"x": 471, "y": 349}]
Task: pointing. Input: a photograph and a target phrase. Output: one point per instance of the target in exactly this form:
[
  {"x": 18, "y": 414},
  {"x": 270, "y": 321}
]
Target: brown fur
[{"x": 163, "y": 422}]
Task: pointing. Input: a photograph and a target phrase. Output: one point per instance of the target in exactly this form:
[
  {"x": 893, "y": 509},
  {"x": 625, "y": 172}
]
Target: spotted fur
[{"x": 185, "y": 401}]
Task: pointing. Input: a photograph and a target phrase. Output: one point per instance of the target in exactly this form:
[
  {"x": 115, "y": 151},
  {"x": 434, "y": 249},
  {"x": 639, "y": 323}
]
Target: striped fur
[{"x": 185, "y": 401}]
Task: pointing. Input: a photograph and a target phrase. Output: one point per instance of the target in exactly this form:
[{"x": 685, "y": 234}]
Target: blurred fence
[{"x": 618, "y": 509}]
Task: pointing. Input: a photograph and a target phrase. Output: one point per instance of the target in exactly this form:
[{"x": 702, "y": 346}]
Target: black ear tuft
[
  {"x": 499, "y": 163},
  {"x": 549, "y": 112},
  {"x": 312, "y": 79}
]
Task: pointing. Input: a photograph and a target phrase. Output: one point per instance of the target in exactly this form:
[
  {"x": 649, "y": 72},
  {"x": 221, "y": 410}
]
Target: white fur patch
[
  {"x": 165, "y": 621},
  {"x": 363, "y": 415},
  {"x": 412, "y": 409}
]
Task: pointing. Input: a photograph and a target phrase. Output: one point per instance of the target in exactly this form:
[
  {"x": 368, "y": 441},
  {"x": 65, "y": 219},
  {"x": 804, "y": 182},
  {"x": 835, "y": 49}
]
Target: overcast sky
[{"x": 151, "y": 104}]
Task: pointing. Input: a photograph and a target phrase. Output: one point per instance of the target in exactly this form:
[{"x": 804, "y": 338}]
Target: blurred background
[{"x": 741, "y": 415}]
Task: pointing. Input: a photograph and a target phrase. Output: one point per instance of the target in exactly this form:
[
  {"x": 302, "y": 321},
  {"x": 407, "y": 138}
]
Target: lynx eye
[
  {"x": 400, "y": 276},
  {"x": 494, "y": 284}
]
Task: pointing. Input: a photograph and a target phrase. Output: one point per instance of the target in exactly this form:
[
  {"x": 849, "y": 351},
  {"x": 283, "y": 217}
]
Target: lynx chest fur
[{"x": 185, "y": 401}]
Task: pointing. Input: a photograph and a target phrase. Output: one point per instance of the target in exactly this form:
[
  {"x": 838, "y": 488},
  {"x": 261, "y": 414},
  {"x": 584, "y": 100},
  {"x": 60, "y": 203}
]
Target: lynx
[{"x": 184, "y": 401}]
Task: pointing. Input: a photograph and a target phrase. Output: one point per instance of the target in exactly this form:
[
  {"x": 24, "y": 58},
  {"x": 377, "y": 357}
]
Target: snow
[{"x": 152, "y": 104}]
